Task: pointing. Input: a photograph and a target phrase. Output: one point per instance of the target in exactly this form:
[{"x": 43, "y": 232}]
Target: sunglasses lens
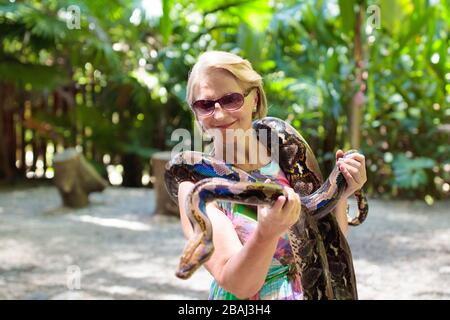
[
  {"x": 203, "y": 107},
  {"x": 232, "y": 101}
]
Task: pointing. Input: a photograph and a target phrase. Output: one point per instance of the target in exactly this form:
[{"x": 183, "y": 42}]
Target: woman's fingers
[
  {"x": 279, "y": 204},
  {"x": 345, "y": 169},
  {"x": 358, "y": 156},
  {"x": 353, "y": 167},
  {"x": 356, "y": 169},
  {"x": 351, "y": 162},
  {"x": 354, "y": 172},
  {"x": 292, "y": 204}
]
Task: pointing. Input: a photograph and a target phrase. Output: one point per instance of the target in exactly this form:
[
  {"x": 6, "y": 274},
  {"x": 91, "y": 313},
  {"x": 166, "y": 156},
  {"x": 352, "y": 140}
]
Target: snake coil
[{"x": 322, "y": 255}]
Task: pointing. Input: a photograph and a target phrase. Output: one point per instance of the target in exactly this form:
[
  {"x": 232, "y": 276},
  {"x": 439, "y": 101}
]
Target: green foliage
[
  {"x": 134, "y": 61},
  {"x": 37, "y": 76},
  {"x": 411, "y": 173}
]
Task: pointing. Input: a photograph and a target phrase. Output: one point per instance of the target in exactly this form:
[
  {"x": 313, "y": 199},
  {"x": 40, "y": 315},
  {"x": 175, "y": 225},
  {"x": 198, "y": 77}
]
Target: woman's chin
[{"x": 230, "y": 126}]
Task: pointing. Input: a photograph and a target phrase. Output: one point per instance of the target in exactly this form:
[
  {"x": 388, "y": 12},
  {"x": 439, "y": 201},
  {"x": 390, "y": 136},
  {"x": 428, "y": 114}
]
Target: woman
[{"x": 252, "y": 257}]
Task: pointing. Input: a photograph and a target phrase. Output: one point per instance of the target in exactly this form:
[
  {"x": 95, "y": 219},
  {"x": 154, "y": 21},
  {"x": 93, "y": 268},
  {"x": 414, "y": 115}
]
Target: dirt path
[{"x": 123, "y": 252}]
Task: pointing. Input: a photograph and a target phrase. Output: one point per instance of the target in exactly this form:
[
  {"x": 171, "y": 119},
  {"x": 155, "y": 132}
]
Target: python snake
[{"x": 322, "y": 255}]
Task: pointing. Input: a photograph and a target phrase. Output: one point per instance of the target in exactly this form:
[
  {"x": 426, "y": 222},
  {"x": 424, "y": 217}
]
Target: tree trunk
[
  {"x": 358, "y": 100},
  {"x": 329, "y": 144},
  {"x": 164, "y": 203},
  {"x": 132, "y": 170},
  {"x": 7, "y": 133},
  {"x": 356, "y": 116},
  {"x": 75, "y": 178},
  {"x": 5, "y": 172}
]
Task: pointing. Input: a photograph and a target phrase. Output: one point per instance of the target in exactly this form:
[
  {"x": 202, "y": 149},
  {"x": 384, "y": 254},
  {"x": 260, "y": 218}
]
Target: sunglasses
[{"x": 229, "y": 102}]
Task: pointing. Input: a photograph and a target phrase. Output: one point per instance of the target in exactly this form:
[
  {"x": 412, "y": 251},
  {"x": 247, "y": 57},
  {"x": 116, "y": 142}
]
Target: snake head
[{"x": 196, "y": 252}]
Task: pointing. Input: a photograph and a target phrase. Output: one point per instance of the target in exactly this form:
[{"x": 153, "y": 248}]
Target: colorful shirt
[{"x": 282, "y": 282}]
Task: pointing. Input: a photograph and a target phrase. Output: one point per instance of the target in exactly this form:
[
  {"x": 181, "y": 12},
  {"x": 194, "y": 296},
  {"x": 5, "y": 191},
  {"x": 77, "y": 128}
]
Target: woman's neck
[{"x": 247, "y": 153}]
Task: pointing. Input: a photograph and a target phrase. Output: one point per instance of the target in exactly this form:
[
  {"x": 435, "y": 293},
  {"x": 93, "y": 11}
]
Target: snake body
[{"x": 321, "y": 253}]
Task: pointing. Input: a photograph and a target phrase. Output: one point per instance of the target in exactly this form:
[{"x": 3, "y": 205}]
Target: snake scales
[{"x": 321, "y": 253}]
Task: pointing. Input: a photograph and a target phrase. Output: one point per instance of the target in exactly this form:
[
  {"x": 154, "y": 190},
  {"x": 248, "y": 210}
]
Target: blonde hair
[{"x": 240, "y": 68}]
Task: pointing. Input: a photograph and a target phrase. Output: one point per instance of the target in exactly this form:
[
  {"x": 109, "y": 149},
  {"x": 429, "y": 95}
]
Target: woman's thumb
[{"x": 339, "y": 154}]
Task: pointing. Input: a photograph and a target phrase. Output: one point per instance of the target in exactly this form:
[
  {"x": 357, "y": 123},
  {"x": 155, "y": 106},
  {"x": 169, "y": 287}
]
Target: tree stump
[
  {"x": 75, "y": 178},
  {"x": 164, "y": 203}
]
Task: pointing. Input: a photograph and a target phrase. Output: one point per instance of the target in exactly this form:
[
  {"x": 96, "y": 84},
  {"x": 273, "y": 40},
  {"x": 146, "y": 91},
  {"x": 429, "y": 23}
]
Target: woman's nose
[{"x": 218, "y": 112}]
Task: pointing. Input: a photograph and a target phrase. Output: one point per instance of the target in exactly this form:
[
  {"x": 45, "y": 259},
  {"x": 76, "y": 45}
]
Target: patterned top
[{"x": 282, "y": 282}]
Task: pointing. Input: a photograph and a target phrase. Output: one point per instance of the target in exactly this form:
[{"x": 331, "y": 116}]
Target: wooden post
[
  {"x": 164, "y": 204},
  {"x": 358, "y": 100},
  {"x": 7, "y": 132},
  {"x": 75, "y": 178}
]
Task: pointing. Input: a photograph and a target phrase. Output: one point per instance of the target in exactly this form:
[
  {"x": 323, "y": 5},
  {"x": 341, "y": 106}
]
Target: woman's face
[{"x": 213, "y": 85}]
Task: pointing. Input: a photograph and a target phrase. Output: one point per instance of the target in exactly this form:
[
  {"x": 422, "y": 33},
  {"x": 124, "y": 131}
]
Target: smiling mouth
[{"x": 226, "y": 125}]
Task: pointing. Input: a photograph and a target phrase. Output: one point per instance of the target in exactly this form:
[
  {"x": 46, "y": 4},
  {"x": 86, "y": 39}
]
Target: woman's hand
[
  {"x": 353, "y": 167},
  {"x": 275, "y": 221}
]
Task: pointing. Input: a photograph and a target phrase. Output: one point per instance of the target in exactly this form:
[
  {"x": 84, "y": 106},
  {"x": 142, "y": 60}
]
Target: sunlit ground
[{"x": 123, "y": 252}]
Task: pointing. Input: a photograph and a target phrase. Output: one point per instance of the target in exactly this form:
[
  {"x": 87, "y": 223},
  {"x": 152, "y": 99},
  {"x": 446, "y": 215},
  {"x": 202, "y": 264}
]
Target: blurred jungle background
[
  {"x": 108, "y": 78},
  {"x": 115, "y": 87}
]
